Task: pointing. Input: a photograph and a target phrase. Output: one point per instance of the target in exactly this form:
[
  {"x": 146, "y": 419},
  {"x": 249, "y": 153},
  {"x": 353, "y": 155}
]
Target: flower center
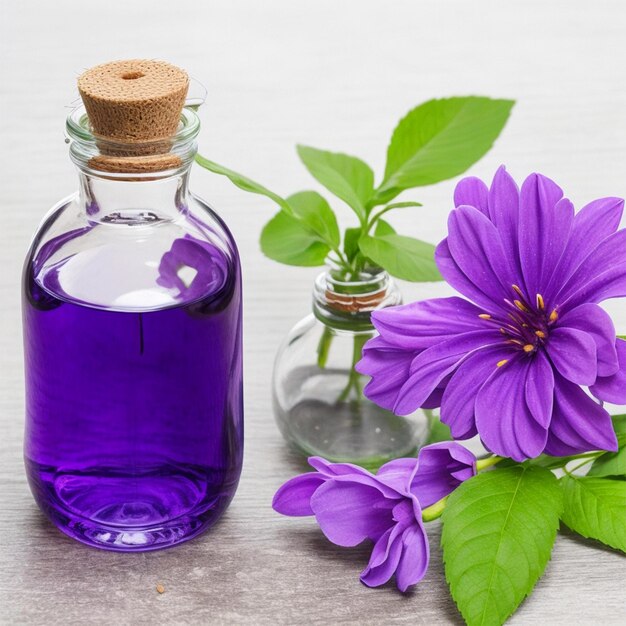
[{"x": 526, "y": 326}]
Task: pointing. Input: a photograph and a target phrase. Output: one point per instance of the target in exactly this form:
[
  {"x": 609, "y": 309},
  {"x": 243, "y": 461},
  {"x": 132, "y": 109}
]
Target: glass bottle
[
  {"x": 133, "y": 364},
  {"x": 318, "y": 395}
]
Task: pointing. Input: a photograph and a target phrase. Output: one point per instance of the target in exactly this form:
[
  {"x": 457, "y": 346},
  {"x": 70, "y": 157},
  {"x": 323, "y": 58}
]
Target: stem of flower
[
  {"x": 482, "y": 464},
  {"x": 323, "y": 347},
  {"x": 589, "y": 459},
  {"x": 434, "y": 510},
  {"x": 354, "y": 377}
]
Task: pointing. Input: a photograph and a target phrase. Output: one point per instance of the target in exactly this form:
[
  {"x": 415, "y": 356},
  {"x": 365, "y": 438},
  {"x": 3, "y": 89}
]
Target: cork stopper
[{"x": 134, "y": 109}]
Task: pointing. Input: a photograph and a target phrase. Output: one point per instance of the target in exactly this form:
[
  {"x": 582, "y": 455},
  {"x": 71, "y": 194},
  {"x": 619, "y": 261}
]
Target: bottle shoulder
[{"x": 140, "y": 259}]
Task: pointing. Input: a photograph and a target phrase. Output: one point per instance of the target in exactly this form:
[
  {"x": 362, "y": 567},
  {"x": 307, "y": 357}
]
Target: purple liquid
[{"x": 134, "y": 419}]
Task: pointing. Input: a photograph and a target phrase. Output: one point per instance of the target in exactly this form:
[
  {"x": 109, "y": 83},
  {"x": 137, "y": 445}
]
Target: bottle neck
[
  {"x": 347, "y": 304},
  {"x": 132, "y": 182},
  {"x": 114, "y": 200}
]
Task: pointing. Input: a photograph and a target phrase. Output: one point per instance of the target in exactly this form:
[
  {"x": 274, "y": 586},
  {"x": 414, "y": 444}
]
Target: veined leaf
[
  {"x": 610, "y": 464},
  {"x": 441, "y": 139},
  {"x": 498, "y": 532},
  {"x": 403, "y": 257},
  {"x": 619, "y": 424},
  {"x": 312, "y": 209},
  {"x": 347, "y": 177},
  {"x": 243, "y": 182},
  {"x": 402, "y": 205},
  {"x": 287, "y": 240},
  {"x": 596, "y": 508}
]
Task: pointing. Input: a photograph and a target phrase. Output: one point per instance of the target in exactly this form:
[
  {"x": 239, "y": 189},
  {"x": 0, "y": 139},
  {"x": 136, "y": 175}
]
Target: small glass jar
[
  {"x": 133, "y": 362},
  {"x": 317, "y": 393}
]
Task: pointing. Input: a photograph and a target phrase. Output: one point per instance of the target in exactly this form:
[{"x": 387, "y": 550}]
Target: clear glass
[
  {"x": 133, "y": 364},
  {"x": 318, "y": 395}
]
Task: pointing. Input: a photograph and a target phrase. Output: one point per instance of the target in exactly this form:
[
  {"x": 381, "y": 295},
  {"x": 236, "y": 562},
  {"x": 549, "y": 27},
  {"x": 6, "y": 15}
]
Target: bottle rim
[
  {"x": 86, "y": 146},
  {"x": 339, "y": 300}
]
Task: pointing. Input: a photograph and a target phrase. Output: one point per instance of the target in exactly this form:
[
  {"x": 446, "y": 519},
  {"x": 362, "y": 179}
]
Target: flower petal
[
  {"x": 579, "y": 424},
  {"x": 294, "y": 497},
  {"x": 543, "y": 230},
  {"x": 504, "y": 421},
  {"x": 455, "y": 277},
  {"x": 574, "y": 354},
  {"x": 471, "y": 191},
  {"x": 539, "y": 391},
  {"x": 384, "y": 559},
  {"x": 414, "y": 558},
  {"x": 422, "y": 324},
  {"x": 331, "y": 470},
  {"x": 613, "y": 388},
  {"x": 434, "y": 364},
  {"x": 459, "y": 397},
  {"x": 592, "y": 224},
  {"x": 595, "y": 321},
  {"x": 389, "y": 368},
  {"x": 441, "y": 468},
  {"x": 348, "y": 512},
  {"x": 602, "y": 275},
  {"x": 398, "y": 473},
  {"x": 504, "y": 211},
  {"x": 476, "y": 246}
]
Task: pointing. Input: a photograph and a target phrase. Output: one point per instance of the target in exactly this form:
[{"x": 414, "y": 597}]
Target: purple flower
[
  {"x": 352, "y": 505},
  {"x": 511, "y": 365}
]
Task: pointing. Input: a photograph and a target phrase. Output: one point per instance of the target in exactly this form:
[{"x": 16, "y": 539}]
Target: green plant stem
[
  {"x": 434, "y": 510},
  {"x": 482, "y": 464},
  {"x": 354, "y": 378},
  {"x": 323, "y": 347},
  {"x": 375, "y": 218},
  {"x": 588, "y": 458}
]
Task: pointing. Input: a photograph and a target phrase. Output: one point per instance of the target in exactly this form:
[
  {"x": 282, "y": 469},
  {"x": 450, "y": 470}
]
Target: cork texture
[{"x": 134, "y": 109}]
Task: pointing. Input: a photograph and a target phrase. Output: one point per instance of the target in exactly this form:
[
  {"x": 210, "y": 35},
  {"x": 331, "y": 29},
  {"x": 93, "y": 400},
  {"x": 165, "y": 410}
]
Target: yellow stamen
[
  {"x": 518, "y": 291},
  {"x": 503, "y": 331},
  {"x": 540, "y": 303},
  {"x": 520, "y": 305},
  {"x": 485, "y": 316},
  {"x": 529, "y": 347},
  {"x": 540, "y": 334},
  {"x": 554, "y": 316},
  {"x": 501, "y": 363}
]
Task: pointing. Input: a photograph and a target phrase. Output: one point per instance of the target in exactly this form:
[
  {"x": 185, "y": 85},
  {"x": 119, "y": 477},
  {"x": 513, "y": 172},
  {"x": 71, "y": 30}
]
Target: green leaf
[
  {"x": 596, "y": 508},
  {"x": 403, "y": 257},
  {"x": 351, "y": 242},
  {"x": 551, "y": 462},
  {"x": 610, "y": 464},
  {"x": 347, "y": 177},
  {"x": 313, "y": 210},
  {"x": 619, "y": 424},
  {"x": 498, "y": 532},
  {"x": 243, "y": 182},
  {"x": 402, "y": 205},
  {"x": 440, "y": 139},
  {"x": 383, "y": 228},
  {"x": 287, "y": 239}
]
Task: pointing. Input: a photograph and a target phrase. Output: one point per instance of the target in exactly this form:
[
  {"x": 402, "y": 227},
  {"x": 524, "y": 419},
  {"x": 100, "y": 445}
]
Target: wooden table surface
[{"x": 336, "y": 75}]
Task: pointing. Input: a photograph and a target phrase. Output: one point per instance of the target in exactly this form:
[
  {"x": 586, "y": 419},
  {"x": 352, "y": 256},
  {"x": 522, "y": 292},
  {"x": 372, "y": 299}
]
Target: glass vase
[{"x": 317, "y": 393}]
